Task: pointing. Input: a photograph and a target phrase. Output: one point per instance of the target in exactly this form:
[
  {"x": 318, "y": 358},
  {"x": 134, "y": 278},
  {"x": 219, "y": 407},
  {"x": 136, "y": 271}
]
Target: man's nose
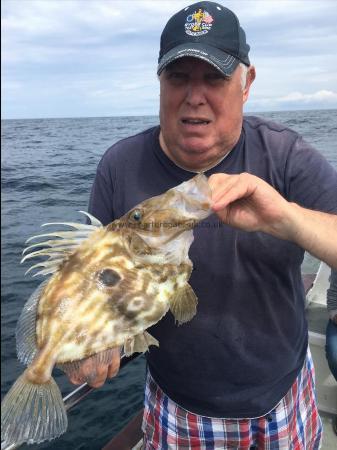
[{"x": 195, "y": 95}]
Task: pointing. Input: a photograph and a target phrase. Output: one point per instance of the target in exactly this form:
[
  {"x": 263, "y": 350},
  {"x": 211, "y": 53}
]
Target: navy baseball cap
[{"x": 208, "y": 31}]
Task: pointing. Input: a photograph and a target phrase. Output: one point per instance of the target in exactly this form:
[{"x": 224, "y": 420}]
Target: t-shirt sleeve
[
  {"x": 102, "y": 193},
  {"x": 310, "y": 179}
]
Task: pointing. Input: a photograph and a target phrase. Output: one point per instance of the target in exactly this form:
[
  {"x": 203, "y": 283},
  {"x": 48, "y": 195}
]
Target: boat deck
[
  {"x": 329, "y": 436},
  {"x": 326, "y": 386}
]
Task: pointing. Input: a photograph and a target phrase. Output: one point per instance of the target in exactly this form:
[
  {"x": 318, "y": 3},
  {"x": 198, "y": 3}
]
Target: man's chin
[
  {"x": 196, "y": 159},
  {"x": 195, "y": 146},
  {"x": 191, "y": 153}
]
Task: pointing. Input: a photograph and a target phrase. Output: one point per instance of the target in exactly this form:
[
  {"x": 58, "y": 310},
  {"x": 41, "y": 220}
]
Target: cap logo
[{"x": 198, "y": 23}]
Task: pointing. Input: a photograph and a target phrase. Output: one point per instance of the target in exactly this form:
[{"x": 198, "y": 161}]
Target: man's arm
[
  {"x": 249, "y": 203},
  {"x": 314, "y": 231}
]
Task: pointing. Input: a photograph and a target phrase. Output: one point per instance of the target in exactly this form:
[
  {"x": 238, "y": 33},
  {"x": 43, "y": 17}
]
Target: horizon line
[{"x": 157, "y": 115}]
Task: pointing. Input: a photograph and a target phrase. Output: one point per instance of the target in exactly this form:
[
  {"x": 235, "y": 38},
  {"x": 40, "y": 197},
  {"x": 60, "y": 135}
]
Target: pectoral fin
[
  {"x": 139, "y": 343},
  {"x": 183, "y": 304}
]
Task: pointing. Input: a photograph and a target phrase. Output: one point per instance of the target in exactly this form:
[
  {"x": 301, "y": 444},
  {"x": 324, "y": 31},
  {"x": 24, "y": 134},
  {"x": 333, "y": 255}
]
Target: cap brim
[{"x": 222, "y": 61}]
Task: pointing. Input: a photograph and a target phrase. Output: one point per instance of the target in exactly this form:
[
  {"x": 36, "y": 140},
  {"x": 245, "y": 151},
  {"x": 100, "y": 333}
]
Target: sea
[{"x": 48, "y": 167}]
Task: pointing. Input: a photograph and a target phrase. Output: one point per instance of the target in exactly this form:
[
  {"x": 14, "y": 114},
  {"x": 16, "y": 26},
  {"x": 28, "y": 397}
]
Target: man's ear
[{"x": 251, "y": 74}]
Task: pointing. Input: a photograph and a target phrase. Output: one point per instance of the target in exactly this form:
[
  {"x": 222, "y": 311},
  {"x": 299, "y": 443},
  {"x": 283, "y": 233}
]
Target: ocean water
[{"x": 48, "y": 166}]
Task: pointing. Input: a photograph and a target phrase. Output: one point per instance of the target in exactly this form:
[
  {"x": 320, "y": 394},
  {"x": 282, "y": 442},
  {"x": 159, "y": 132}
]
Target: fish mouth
[
  {"x": 179, "y": 228},
  {"x": 195, "y": 196}
]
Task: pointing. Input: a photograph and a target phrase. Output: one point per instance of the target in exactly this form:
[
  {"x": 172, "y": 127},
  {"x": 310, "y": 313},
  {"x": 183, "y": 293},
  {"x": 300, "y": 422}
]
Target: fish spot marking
[
  {"x": 129, "y": 305},
  {"x": 136, "y": 304},
  {"x": 108, "y": 277}
]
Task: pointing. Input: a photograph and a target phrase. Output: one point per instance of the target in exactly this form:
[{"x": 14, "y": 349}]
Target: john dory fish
[{"x": 107, "y": 286}]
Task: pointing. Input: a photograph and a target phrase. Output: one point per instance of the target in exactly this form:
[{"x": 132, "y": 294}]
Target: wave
[{"x": 23, "y": 185}]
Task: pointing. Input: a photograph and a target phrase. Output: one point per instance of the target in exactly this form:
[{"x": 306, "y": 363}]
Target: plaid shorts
[{"x": 294, "y": 424}]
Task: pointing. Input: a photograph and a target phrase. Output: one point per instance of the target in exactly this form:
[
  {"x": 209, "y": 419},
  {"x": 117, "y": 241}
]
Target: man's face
[{"x": 200, "y": 112}]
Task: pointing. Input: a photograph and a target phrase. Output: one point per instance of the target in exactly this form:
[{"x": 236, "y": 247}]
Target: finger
[
  {"x": 227, "y": 197},
  {"x": 74, "y": 380},
  {"x": 112, "y": 371},
  {"x": 218, "y": 178},
  {"x": 218, "y": 181},
  {"x": 222, "y": 186},
  {"x": 241, "y": 187},
  {"x": 99, "y": 377},
  {"x": 114, "y": 366}
]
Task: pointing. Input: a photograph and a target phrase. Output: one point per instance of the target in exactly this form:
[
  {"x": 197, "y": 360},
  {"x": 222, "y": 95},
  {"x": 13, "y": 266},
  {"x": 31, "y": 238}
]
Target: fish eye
[
  {"x": 108, "y": 277},
  {"x": 136, "y": 215}
]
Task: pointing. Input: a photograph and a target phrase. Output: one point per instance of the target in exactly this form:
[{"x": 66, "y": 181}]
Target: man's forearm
[
  {"x": 249, "y": 203},
  {"x": 314, "y": 231}
]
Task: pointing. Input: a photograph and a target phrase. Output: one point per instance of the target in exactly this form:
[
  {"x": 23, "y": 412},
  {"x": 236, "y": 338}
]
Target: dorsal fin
[{"x": 56, "y": 250}]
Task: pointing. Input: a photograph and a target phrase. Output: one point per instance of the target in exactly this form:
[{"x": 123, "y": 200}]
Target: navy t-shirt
[{"x": 244, "y": 348}]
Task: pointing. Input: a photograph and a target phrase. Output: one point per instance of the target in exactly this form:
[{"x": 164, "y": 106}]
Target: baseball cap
[{"x": 208, "y": 31}]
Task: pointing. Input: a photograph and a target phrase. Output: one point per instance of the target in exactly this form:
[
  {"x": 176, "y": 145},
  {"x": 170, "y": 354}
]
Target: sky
[{"x": 98, "y": 58}]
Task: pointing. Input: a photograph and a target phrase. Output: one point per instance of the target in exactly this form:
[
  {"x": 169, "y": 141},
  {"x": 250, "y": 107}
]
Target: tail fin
[{"x": 32, "y": 412}]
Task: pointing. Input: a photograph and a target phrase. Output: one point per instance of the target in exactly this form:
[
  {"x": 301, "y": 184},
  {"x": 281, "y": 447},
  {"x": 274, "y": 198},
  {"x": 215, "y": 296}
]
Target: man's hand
[
  {"x": 96, "y": 375},
  {"x": 249, "y": 203}
]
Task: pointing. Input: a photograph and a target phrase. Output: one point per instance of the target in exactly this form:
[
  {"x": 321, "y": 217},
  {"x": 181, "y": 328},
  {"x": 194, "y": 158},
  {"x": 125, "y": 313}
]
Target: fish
[{"x": 106, "y": 285}]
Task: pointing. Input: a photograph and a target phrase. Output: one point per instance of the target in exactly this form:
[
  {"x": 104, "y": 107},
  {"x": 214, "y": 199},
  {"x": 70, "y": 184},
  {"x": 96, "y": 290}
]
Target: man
[{"x": 239, "y": 374}]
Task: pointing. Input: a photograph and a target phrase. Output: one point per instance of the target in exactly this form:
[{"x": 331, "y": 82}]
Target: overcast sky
[{"x": 87, "y": 58}]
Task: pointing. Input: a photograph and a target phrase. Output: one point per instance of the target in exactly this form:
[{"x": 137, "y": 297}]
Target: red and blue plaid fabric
[{"x": 294, "y": 424}]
